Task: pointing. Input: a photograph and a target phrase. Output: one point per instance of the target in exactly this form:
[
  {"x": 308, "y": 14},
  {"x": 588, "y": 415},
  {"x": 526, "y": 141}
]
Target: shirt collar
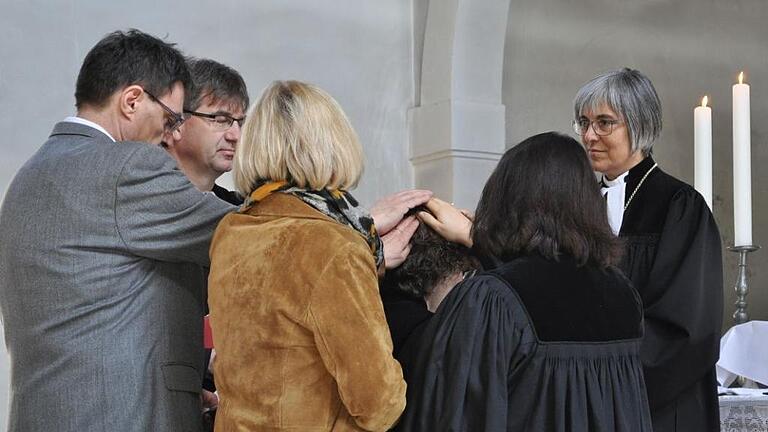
[
  {"x": 621, "y": 179},
  {"x": 82, "y": 121}
]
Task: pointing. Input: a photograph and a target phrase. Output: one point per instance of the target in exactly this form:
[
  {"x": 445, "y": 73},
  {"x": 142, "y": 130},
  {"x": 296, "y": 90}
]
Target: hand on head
[
  {"x": 469, "y": 214},
  {"x": 396, "y": 230},
  {"x": 389, "y": 211},
  {"x": 397, "y": 242},
  {"x": 448, "y": 221}
]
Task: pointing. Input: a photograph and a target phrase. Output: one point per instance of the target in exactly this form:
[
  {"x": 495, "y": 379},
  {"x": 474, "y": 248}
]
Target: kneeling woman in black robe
[
  {"x": 412, "y": 291},
  {"x": 549, "y": 340}
]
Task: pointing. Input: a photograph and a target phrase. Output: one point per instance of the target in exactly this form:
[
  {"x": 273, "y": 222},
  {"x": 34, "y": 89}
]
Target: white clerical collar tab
[{"x": 615, "y": 182}]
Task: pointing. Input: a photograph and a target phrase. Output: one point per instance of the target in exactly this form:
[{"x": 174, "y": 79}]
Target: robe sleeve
[
  {"x": 683, "y": 300},
  {"x": 459, "y": 379}
]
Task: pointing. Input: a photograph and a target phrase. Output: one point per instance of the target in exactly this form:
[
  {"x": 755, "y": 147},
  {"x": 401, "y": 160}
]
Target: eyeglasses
[
  {"x": 601, "y": 126},
  {"x": 220, "y": 121},
  {"x": 174, "y": 119}
]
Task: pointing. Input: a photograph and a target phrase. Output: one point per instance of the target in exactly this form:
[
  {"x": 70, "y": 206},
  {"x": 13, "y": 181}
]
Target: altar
[
  {"x": 742, "y": 364},
  {"x": 744, "y": 412}
]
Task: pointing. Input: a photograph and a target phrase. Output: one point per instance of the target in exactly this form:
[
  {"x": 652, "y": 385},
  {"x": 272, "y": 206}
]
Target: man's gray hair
[{"x": 631, "y": 95}]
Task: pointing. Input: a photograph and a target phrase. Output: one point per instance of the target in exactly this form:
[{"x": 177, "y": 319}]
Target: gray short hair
[{"x": 631, "y": 95}]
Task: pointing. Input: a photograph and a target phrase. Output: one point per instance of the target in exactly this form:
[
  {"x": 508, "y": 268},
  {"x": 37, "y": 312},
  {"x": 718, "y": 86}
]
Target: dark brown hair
[
  {"x": 432, "y": 259},
  {"x": 543, "y": 198},
  {"x": 122, "y": 59},
  {"x": 214, "y": 82}
]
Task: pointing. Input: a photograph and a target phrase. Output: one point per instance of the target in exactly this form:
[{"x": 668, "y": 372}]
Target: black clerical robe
[
  {"x": 406, "y": 316},
  {"x": 534, "y": 345},
  {"x": 673, "y": 257}
]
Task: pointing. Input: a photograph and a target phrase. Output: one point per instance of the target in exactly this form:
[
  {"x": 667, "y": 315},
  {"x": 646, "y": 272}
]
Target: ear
[
  {"x": 171, "y": 140},
  {"x": 130, "y": 97}
]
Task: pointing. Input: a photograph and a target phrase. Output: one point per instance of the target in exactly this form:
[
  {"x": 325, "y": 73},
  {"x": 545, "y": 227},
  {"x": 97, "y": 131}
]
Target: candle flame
[
  {"x": 741, "y": 77},
  {"x": 704, "y": 101}
]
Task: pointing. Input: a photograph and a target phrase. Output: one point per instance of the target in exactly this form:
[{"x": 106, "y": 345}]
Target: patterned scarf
[{"x": 337, "y": 204}]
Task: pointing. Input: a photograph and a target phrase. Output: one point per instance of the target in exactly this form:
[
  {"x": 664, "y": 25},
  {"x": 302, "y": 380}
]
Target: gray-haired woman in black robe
[
  {"x": 673, "y": 250},
  {"x": 550, "y": 339}
]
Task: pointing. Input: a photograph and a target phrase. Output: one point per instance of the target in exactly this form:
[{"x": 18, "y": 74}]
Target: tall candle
[
  {"x": 742, "y": 170},
  {"x": 702, "y": 150}
]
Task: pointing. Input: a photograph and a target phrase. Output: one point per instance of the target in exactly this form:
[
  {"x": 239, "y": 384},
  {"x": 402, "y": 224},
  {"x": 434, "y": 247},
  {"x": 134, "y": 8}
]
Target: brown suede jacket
[{"x": 298, "y": 326}]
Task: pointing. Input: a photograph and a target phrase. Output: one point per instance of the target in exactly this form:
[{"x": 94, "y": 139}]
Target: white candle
[
  {"x": 742, "y": 170},
  {"x": 702, "y": 149}
]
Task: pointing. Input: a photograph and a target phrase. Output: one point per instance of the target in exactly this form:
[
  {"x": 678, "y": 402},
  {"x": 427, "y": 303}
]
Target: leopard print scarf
[{"x": 337, "y": 204}]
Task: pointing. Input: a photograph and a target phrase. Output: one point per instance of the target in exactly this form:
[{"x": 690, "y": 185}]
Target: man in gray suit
[{"x": 103, "y": 244}]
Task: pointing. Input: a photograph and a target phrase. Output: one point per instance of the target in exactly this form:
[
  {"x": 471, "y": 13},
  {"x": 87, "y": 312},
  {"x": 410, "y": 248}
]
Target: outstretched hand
[
  {"x": 451, "y": 223},
  {"x": 390, "y": 210}
]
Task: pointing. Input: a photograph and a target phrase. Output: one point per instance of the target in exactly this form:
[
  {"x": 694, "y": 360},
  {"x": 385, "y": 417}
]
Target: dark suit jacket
[{"x": 231, "y": 197}]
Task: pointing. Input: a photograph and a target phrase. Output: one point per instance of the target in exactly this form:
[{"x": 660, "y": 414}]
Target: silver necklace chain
[{"x": 638, "y": 186}]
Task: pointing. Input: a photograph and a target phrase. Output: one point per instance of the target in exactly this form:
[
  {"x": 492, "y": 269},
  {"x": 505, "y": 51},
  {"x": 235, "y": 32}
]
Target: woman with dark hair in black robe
[
  {"x": 549, "y": 340},
  {"x": 673, "y": 250}
]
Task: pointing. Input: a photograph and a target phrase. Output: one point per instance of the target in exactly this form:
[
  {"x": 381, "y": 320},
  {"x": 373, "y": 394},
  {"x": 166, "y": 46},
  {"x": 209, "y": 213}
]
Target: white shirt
[
  {"x": 85, "y": 122},
  {"x": 615, "y": 192}
]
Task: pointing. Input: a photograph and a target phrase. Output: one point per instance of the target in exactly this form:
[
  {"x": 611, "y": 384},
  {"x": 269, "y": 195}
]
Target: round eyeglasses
[{"x": 600, "y": 127}]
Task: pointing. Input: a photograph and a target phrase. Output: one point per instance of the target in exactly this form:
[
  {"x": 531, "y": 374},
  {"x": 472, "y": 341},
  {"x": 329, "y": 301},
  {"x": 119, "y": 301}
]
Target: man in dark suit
[
  {"x": 103, "y": 243},
  {"x": 215, "y": 111}
]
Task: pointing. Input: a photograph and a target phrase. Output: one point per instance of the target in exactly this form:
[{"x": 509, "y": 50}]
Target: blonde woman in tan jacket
[{"x": 301, "y": 339}]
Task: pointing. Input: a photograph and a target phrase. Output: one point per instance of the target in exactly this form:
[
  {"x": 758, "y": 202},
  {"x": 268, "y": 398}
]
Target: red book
[{"x": 207, "y": 333}]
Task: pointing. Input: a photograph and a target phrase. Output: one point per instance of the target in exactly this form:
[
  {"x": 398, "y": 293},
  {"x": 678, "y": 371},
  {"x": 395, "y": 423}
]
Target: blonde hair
[{"x": 298, "y": 133}]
